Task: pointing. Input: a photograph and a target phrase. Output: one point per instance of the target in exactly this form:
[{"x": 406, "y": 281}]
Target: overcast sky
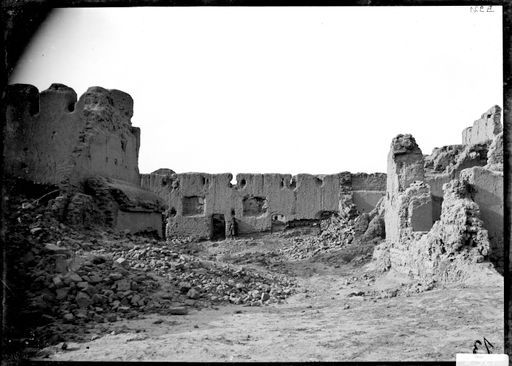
[{"x": 288, "y": 90}]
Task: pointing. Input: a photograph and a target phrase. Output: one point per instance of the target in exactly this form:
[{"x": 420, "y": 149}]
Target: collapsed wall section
[
  {"x": 444, "y": 212},
  {"x": 258, "y": 202}
]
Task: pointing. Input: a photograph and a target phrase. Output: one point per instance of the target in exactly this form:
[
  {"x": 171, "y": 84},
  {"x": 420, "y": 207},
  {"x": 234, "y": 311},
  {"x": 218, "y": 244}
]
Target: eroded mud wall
[
  {"x": 484, "y": 128},
  {"x": 444, "y": 212},
  {"x": 257, "y": 199},
  {"x": 52, "y": 138},
  {"x": 87, "y": 148}
]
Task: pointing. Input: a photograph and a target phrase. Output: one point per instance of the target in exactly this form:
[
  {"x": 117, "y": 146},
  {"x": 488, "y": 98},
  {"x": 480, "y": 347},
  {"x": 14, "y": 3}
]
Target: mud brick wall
[
  {"x": 52, "y": 138},
  {"x": 193, "y": 198},
  {"x": 86, "y": 147},
  {"x": 487, "y": 191},
  {"x": 446, "y": 209},
  {"x": 405, "y": 166},
  {"x": 485, "y": 128}
]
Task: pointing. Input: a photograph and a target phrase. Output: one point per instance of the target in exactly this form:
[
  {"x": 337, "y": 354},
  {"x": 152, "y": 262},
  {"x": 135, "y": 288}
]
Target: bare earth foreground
[{"x": 339, "y": 314}]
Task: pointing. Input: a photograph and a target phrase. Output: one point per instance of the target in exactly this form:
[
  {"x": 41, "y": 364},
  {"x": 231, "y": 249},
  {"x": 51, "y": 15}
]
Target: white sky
[{"x": 288, "y": 90}]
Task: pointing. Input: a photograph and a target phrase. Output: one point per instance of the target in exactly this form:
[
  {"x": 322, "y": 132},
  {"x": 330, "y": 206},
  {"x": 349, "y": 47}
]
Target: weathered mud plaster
[
  {"x": 454, "y": 163},
  {"x": 51, "y": 138},
  {"x": 487, "y": 192},
  {"x": 451, "y": 248},
  {"x": 414, "y": 245},
  {"x": 495, "y": 154},
  {"x": 257, "y": 199},
  {"x": 405, "y": 166},
  {"x": 458, "y": 187},
  {"x": 485, "y": 128},
  {"x": 482, "y": 146}
]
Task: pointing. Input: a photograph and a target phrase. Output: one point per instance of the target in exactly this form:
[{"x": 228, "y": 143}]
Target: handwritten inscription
[
  {"x": 487, "y": 344},
  {"x": 481, "y": 9}
]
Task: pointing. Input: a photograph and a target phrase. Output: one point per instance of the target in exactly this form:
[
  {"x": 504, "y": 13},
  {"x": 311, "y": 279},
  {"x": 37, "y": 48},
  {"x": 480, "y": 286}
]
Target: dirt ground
[{"x": 343, "y": 312}]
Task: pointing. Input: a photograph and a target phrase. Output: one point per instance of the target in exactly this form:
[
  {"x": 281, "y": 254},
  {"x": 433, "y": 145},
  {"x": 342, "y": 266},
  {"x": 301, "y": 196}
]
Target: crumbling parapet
[
  {"x": 52, "y": 138},
  {"x": 485, "y": 128}
]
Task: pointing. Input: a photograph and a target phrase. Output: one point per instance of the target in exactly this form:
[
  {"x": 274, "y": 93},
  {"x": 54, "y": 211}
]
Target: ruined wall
[
  {"x": 52, "y": 138},
  {"x": 405, "y": 166},
  {"x": 86, "y": 147},
  {"x": 485, "y": 128},
  {"x": 444, "y": 212},
  {"x": 487, "y": 191},
  {"x": 482, "y": 146},
  {"x": 193, "y": 198}
]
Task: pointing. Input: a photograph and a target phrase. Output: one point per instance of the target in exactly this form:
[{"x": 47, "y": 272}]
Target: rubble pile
[
  {"x": 338, "y": 231},
  {"x": 196, "y": 281},
  {"x": 63, "y": 278}
]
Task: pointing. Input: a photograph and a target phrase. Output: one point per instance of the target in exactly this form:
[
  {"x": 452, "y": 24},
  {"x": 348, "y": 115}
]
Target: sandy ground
[{"x": 322, "y": 323}]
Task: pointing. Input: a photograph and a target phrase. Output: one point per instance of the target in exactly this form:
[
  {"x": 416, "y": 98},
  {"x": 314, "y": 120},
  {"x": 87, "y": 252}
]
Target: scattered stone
[
  {"x": 121, "y": 261},
  {"x": 193, "y": 293},
  {"x": 177, "y": 311},
  {"x": 68, "y": 317},
  {"x": 83, "y": 300}
]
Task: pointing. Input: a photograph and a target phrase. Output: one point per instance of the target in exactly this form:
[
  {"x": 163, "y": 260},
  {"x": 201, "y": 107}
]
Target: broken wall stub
[
  {"x": 52, "y": 138},
  {"x": 485, "y": 128},
  {"x": 405, "y": 166},
  {"x": 258, "y": 198}
]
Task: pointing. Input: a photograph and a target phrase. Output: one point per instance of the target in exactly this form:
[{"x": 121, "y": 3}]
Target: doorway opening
[{"x": 218, "y": 227}]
